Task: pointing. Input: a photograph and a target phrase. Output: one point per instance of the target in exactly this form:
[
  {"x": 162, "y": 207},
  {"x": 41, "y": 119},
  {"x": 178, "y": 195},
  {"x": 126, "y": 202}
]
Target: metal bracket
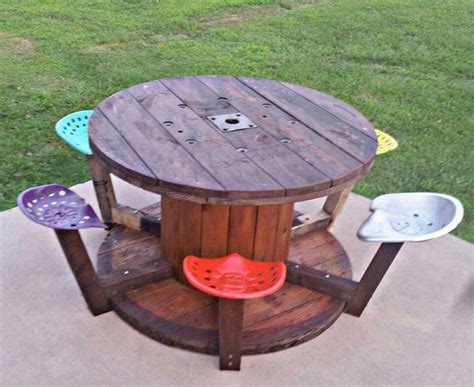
[{"x": 232, "y": 122}]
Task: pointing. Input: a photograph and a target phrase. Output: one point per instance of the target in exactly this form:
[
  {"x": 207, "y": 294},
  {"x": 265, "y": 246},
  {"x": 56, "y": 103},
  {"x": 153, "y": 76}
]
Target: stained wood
[
  {"x": 170, "y": 230},
  {"x": 334, "y": 205},
  {"x": 203, "y": 143},
  {"x": 81, "y": 266},
  {"x": 372, "y": 277},
  {"x": 189, "y": 236},
  {"x": 313, "y": 221},
  {"x": 354, "y": 142},
  {"x": 170, "y": 163},
  {"x": 215, "y": 231},
  {"x": 264, "y": 150},
  {"x": 231, "y": 314},
  {"x": 330, "y": 160},
  {"x": 242, "y": 230},
  {"x": 181, "y": 316},
  {"x": 336, "y": 107},
  {"x": 283, "y": 232},
  {"x": 156, "y": 135},
  {"x": 135, "y": 219},
  {"x": 320, "y": 281},
  {"x": 103, "y": 187}
]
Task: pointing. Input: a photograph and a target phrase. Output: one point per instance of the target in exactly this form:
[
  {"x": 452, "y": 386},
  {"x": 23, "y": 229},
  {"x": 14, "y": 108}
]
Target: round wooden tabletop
[{"x": 223, "y": 139}]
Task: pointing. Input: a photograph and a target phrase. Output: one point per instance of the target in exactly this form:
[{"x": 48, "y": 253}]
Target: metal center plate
[{"x": 232, "y": 122}]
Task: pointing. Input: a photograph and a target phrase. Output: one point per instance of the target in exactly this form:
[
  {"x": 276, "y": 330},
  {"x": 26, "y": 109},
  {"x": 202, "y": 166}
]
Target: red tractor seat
[{"x": 234, "y": 276}]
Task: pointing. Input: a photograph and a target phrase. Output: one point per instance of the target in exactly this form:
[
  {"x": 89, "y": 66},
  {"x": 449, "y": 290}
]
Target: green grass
[{"x": 407, "y": 65}]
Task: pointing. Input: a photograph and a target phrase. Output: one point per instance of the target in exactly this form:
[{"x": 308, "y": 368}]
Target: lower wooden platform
[{"x": 177, "y": 315}]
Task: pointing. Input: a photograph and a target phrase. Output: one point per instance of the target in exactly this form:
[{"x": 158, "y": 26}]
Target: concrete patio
[{"x": 417, "y": 330}]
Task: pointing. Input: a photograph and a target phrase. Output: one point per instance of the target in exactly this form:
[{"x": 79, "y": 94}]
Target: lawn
[{"x": 407, "y": 65}]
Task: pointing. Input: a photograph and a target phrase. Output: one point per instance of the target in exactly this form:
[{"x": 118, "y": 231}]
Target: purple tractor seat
[{"x": 57, "y": 207}]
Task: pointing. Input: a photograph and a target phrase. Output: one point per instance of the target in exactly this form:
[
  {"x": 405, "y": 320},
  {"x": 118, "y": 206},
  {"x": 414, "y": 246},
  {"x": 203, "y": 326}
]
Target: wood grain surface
[
  {"x": 157, "y": 135},
  {"x": 178, "y": 315}
]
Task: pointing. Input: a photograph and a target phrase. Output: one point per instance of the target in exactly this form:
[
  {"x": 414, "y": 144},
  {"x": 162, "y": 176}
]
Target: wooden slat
[
  {"x": 231, "y": 313},
  {"x": 265, "y": 232},
  {"x": 242, "y": 230},
  {"x": 266, "y": 151},
  {"x": 320, "y": 281},
  {"x": 317, "y": 220},
  {"x": 209, "y": 148},
  {"x": 172, "y": 165},
  {"x": 309, "y": 145},
  {"x": 336, "y": 107},
  {"x": 123, "y": 281},
  {"x": 351, "y": 140},
  {"x": 189, "y": 230},
  {"x": 170, "y": 225},
  {"x": 135, "y": 219},
  {"x": 215, "y": 230},
  {"x": 111, "y": 147},
  {"x": 283, "y": 232}
]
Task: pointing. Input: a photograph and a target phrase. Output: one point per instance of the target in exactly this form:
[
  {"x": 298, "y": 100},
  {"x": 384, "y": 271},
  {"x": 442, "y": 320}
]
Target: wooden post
[
  {"x": 334, "y": 205},
  {"x": 372, "y": 277},
  {"x": 81, "y": 266},
  {"x": 231, "y": 313},
  {"x": 104, "y": 189}
]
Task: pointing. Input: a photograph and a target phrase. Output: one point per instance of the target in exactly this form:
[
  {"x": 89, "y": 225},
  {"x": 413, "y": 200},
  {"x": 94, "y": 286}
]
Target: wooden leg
[
  {"x": 83, "y": 270},
  {"x": 231, "y": 313},
  {"x": 372, "y": 277},
  {"x": 103, "y": 189},
  {"x": 334, "y": 205}
]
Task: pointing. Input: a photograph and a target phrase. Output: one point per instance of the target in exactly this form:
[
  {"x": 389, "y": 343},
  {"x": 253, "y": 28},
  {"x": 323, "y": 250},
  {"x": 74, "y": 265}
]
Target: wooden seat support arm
[{"x": 356, "y": 294}]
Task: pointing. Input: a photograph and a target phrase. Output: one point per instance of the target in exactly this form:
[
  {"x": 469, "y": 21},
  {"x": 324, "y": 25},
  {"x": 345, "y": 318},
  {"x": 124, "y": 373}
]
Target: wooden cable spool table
[{"x": 230, "y": 157}]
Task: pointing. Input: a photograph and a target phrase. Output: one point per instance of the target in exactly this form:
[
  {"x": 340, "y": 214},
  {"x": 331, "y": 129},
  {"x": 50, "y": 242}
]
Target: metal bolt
[
  {"x": 135, "y": 212},
  {"x": 242, "y": 150},
  {"x": 126, "y": 272},
  {"x": 327, "y": 276},
  {"x": 286, "y": 141}
]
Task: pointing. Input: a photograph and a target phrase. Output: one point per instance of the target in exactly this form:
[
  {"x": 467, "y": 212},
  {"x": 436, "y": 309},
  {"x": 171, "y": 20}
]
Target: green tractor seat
[{"x": 73, "y": 130}]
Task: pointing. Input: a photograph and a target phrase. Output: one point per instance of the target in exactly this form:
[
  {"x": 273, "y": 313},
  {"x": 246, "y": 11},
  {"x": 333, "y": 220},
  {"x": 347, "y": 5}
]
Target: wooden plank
[
  {"x": 107, "y": 143},
  {"x": 313, "y": 221},
  {"x": 209, "y": 148},
  {"x": 81, "y": 266},
  {"x": 336, "y": 107},
  {"x": 215, "y": 231},
  {"x": 309, "y": 145},
  {"x": 242, "y": 230},
  {"x": 266, "y": 151},
  {"x": 320, "y": 281},
  {"x": 265, "y": 232},
  {"x": 136, "y": 219},
  {"x": 351, "y": 140},
  {"x": 372, "y": 277},
  {"x": 190, "y": 223},
  {"x": 231, "y": 314},
  {"x": 172, "y": 165},
  {"x": 283, "y": 232},
  {"x": 103, "y": 187},
  {"x": 335, "y": 203},
  {"x": 170, "y": 225},
  {"x": 123, "y": 281},
  {"x": 130, "y": 257}
]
